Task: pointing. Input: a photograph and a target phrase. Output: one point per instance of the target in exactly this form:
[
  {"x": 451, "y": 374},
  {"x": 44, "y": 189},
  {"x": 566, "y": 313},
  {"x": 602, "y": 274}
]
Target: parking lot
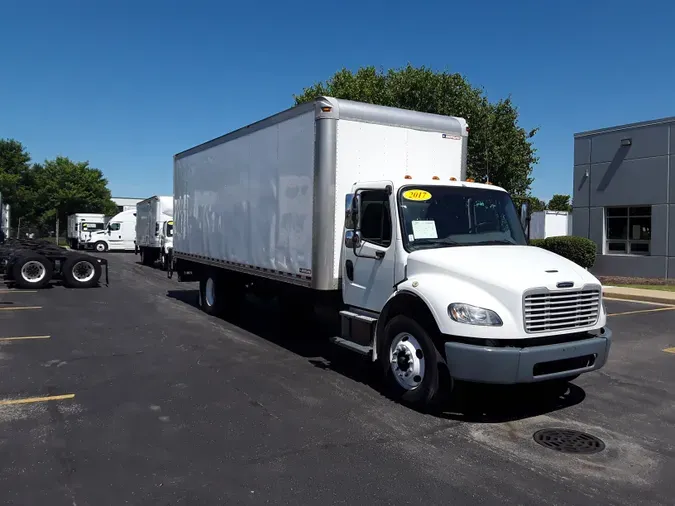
[{"x": 159, "y": 404}]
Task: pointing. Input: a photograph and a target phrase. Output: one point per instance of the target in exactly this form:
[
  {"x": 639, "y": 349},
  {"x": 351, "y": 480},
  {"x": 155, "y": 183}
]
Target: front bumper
[{"x": 510, "y": 365}]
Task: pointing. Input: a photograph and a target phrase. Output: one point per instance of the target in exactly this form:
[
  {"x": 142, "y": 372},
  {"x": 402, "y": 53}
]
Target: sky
[{"x": 127, "y": 84}]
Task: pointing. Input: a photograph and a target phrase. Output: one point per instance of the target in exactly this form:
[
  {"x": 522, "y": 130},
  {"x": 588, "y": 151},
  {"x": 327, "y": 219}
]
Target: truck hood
[{"x": 511, "y": 269}]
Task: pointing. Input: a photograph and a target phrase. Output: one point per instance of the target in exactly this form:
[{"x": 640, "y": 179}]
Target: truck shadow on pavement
[{"x": 469, "y": 403}]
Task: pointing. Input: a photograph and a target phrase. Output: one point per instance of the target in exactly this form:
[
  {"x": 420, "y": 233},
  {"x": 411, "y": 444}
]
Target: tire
[
  {"x": 80, "y": 271},
  {"x": 219, "y": 294},
  {"x": 101, "y": 247},
  {"x": 211, "y": 300},
  {"x": 413, "y": 344},
  {"x": 32, "y": 271}
]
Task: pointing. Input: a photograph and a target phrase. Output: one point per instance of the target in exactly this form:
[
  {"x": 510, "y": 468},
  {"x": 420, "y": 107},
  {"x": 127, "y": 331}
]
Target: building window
[{"x": 628, "y": 230}]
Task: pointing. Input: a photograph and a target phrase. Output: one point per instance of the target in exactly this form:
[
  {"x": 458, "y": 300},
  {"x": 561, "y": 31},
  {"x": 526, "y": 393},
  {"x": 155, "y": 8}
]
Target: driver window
[
  {"x": 115, "y": 226},
  {"x": 376, "y": 226}
]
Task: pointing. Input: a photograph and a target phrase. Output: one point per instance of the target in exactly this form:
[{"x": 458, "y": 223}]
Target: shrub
[{"x": 577, "y": 249}]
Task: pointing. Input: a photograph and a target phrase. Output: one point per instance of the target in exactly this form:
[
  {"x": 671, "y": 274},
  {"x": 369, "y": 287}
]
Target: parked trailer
[
  {"x": 34, "y": 263},
  {"x": 81, "y": 226},
  {"x": 154, "y": 229},
  {"x": 366, "y": 211}
]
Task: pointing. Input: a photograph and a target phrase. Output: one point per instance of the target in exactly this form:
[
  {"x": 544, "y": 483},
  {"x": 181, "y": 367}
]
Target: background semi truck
[
  {"x": 366, "y": 211},
  {"x": 81, "y": 226},
  {"x": 154, "y": 229},
  {"x": 118, "y": 235}
]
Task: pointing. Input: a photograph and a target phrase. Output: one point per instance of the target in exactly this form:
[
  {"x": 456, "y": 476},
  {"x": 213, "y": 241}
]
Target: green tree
[
  {"x": 14, "y": 166},
  {"x": 560, "y": 203},
  {"x": 61, "y": 187},
  {"x": 537, "y": 205},
  {"x": 498, "y": 146}
]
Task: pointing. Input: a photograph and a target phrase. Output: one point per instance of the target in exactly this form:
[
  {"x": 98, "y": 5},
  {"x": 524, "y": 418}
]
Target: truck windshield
[
  {"x": 91, "y": 227},
  {"x": 445, "y": 216}
]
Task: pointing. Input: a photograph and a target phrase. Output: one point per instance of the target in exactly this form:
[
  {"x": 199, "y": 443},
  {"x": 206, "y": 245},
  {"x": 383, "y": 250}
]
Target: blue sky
[{"x": 127, "y": 84}]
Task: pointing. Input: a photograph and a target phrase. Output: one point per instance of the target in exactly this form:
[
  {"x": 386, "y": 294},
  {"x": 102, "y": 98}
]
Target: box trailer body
[
  {"x": 154, "y": 229},
  {"x": 281, "y": 211},
  {"x": 367, "y": 211},
  {"x": 118, "y": 235},
  {"x": 545, "y": 224},
  {"x": 81, "y": 226}
]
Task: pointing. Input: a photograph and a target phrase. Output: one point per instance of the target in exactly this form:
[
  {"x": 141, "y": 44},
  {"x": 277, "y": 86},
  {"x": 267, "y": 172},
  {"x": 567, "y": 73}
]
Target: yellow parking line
[
  {"x": 670, "y": 350},
  {"x": 669, "y": 308},
  {"x": 29, "y": 400},
  {"x": 23, "y": 337},
  {"x": 19, "y": 308}
]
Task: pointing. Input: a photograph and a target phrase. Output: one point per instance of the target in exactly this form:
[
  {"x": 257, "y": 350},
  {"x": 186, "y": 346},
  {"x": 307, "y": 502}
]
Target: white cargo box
[
  {"x": 545, "y": 224},
  {"x": 151, "y": 214},
  {"x": 269, "y": 199}
]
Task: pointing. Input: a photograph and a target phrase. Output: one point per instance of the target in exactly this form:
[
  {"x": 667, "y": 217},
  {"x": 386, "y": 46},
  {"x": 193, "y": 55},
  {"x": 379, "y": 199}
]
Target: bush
[{"x": 577, "y": 249}]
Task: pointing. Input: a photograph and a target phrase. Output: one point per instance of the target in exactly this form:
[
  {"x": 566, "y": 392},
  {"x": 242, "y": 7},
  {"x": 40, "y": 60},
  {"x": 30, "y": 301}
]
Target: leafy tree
[
  {"x": 537, "y": 205},
  {"x": 14, "y": 165},
  {"x": 61, "y": 187},
  {"x": 497, "y": 145},
  {"x": 560, "y": 203}
]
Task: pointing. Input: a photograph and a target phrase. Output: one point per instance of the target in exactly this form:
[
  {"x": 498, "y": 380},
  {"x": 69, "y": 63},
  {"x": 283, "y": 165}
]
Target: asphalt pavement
[{"x": 160, "y": 404}]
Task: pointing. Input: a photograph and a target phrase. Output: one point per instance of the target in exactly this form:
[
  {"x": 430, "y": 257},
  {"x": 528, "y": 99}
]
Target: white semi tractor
[
  {"x": 118, "y": 235},
  {"x": 81, "y": 226},
  {"x": 154, "y": 229},
  {"x": 367, "y": 210}
]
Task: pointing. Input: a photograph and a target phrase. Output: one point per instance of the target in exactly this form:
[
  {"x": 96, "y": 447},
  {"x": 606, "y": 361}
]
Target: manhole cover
[{"x": 569, "y": 441}]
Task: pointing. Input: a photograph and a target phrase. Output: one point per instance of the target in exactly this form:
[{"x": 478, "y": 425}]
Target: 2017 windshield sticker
[{"x": 416, "y": 195}]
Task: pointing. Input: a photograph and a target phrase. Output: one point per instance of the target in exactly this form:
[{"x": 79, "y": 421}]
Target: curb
[{"x": 642, "y": 298}]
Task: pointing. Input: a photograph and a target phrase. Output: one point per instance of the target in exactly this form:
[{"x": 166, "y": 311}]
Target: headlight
[{"x": 466, "y": 313}]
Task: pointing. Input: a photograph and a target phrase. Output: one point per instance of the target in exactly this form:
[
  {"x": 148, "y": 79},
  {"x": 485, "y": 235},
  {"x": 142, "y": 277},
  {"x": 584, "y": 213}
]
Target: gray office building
[{"x": 624, "y": 197}]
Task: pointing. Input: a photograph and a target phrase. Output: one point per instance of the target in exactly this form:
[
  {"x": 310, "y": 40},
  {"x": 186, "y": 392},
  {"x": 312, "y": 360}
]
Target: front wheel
[
  {"x": 411, "y": 363},
  {"x": 101, "y": 247}
]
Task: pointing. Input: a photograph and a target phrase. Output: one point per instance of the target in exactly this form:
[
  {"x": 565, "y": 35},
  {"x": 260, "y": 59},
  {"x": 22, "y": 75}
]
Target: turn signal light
[{"x": 326, "y": 109}]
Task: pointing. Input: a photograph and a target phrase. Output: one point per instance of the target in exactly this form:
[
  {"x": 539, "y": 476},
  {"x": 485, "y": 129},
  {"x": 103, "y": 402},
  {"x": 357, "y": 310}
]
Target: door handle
[{"x": 379, "y": 255}]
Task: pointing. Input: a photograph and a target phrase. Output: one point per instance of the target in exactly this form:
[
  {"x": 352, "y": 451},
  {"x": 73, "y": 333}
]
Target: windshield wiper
[
  {"x": 435, "y": 243},
  {"x": 494, "y": 241}
]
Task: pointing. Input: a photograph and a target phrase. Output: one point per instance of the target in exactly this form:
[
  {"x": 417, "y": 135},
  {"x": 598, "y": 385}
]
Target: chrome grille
[{"x": 546, "y": 311}]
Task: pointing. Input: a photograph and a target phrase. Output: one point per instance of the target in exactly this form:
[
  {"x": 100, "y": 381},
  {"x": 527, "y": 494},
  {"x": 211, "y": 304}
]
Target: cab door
[{"x": 368, "y": 268}]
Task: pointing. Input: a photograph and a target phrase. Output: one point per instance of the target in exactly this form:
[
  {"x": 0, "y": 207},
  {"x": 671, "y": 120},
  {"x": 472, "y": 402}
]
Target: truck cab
[
  {"x": 441, "y": 273},
  {"x": 166, "y": 242},
  {"x": 118, "y": 235}
]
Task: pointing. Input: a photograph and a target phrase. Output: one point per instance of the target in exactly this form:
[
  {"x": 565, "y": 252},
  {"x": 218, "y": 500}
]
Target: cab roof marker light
[
  {"x": 470, "y": 180},
  {"x": 436, "y": 178},
  {"x": 407, "y": 177},
  {"x": 453, "y": 179}
]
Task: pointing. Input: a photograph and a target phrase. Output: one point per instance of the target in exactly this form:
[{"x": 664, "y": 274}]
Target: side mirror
[{"x": 525, "y": 217}]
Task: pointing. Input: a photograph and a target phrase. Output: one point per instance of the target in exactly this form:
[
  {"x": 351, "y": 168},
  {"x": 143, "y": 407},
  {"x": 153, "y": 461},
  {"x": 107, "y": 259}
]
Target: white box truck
[
  {"x": 81, "y": 226},
  {"x": 154, "y": 229},
  {"x": 367, "y": 209},
  {"x": 118, "y": 235},
  {"x": 545, "y": 224}
]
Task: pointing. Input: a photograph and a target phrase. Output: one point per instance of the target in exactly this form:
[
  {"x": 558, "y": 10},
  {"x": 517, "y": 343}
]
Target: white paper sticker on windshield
[{"x": 424, "y": 229}]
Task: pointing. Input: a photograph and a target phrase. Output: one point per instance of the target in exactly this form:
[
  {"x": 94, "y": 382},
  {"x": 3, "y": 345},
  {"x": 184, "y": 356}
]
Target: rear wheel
[
  {"x": 32, "y": 271},
  {"x": 81, "y": 271},
  {"x": 410, "y": 362},
  {"x": 220, "y": 294}
]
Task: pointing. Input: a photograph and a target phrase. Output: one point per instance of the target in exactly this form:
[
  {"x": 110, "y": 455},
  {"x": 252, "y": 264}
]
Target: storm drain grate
[{"x": 569, "y": 441}]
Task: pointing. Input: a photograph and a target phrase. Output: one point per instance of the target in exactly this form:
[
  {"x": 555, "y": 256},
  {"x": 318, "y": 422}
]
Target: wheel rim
[
  {"x": 100, "y": 247},
  {"x": 83, "y": 271},
  {"x": 406, "y": 359},
  {"x": 33, "y": 271},
  {"x": 210, "y": 292}
]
